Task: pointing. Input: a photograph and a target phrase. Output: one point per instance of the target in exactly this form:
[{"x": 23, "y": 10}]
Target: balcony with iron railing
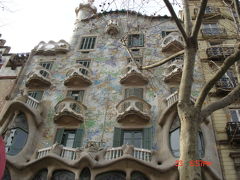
[
  {"x": 233, "y": 132},
  {"x": 224, "y": 85},
  {"x": 213, "y": 32},
  {"x": 78, "y": 75},
  {"x": 39, "y": 77},
  {"x": 219, "y": 53},
  {"x": 69, "y": 111},
  {"x": 133, "y": 76},
  {"x": 173, "y": 42},
  {"x": 209, "y": 11},
  {"x": 133, "y": 109}
]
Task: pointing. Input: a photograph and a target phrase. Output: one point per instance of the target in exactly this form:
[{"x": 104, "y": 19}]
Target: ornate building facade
[{"x": 85, "y": 110}]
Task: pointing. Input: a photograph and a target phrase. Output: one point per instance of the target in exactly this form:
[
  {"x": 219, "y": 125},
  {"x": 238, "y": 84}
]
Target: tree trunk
[{"x": 189, "y": 118}]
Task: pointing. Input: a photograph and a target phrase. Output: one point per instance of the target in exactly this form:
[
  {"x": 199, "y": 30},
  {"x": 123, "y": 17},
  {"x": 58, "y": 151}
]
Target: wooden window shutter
[
  {"x": 78, "y": 138},
  {"x": 147, "y": 138},
  {"x": 130, "y": 40},
  {"x": 59, "y": 135},
  {"x": 117, "y": 137},
  {"x": 141, "y": 39},
  {"x": 69, "y": 94}
]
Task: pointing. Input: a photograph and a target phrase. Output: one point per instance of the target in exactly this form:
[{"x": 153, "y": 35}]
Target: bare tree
[{"x": 193, "y": 114}]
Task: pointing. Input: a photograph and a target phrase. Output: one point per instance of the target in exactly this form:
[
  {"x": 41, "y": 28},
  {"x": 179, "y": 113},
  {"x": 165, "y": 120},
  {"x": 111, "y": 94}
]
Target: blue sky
[{"x": 24, "y": 23}]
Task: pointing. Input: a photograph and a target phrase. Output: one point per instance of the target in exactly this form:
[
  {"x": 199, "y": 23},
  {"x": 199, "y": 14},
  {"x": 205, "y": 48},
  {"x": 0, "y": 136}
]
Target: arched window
[
  {"x": 6, "y": 175},
  {"x": 136, "y": 175},
  {"x": 112, "y": 175},
  {"x": 41, "y": 175},
  {"x": 16, "y": 135},
  {"x": 85, "y": 174},
  {"x": 63, "y": 175},
  {"x": 174, "y": 135}
]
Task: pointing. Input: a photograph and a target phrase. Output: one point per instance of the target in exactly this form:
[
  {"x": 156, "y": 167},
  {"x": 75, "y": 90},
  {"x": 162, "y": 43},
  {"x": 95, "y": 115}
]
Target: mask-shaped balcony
[
  {"x": 133, "y": 76},
  {"x": 78, "y": 75},
  {"x": 52, "y": 48},
  {"x": 133, "y": 110},
  {"x": 219, "y": 53},
  {"x": 39, "y": 78},
  {"x": 173, "y": 42},
  {"x": 213, "y": 32},
  {"x": 233, "y": 132},
  {"x": 112, "y": 27},
  {"x": 173, "y": 72},
  {"x": 69, "y": 111}
]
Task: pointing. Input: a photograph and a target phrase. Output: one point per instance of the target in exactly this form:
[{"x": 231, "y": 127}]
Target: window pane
[
  {"x": 112, "y": 175},
  {"x": 88, "y": 43},
  {"x": 234, "y": 116},
  {"x": 41, "y": 175},
  {"x": 16, "y": 135},
  {"x": 85, "y": 174},
  {"x": 36, "y": 94},
  {"x": 63, "y": 175},
  {"x": 174, "y": 142},
  {"x": 133, "y": 137},
  {"x": 68, "y": 138}
]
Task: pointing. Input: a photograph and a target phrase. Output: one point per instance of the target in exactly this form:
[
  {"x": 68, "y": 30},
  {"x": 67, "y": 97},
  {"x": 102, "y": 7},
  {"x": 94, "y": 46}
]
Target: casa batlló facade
[{"x": 83, "y": 110}]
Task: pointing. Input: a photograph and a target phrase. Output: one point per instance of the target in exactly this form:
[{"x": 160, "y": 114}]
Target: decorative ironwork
[
  {"x": 209, "y": 32},
  {"x": 219, "y": 52},
  {"x": 233, "y": 131}
]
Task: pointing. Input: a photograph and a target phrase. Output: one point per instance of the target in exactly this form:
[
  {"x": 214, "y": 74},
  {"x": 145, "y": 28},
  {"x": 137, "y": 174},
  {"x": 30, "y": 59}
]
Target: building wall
[
  {"x": 108, "y": 66},
  {"x": 225, "y": 19}
]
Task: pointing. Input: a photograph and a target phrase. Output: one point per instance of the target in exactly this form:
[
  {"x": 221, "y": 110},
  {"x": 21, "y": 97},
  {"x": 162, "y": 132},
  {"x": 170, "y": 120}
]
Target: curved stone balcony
[
  {"x": 107, "y": 154},
  {"x": 31, "y": 103},
  {"x": 173, "y": 42},
  {"x": 112, "y": 27},
  {"x": 39, "y": 78},
  {"x": 78, "y": 75},
  {"x": 133, "y": 76},
  {"x": 173, "y": 72},
  {"x": 69, "y": 111},
  {"x": 133, "y": 110}
]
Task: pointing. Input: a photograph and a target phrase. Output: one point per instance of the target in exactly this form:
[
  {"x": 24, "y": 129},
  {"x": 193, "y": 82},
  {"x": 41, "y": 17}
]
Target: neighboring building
[
  {"x": 85, "y": 111},
  {"x": 217, "y": 39},
  {"x": 11, "y": 65}
]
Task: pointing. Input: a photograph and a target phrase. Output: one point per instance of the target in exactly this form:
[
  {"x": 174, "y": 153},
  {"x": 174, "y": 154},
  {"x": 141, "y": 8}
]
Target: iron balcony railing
[
  {"x": 219, "y": 51},
  {"x": 226, "y": 83},
  {"x": 233, "y": 132},
  {"x": 213, "y": 31}
]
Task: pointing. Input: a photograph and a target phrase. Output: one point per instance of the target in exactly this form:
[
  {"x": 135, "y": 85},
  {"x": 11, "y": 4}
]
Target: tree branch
[
  {"x": 237, "y": 8},
  {"x": 175, "y": 18},
  {"x": 162, "y": 61},
  {"x": 223, "y": 69},
  {"x": 233, "y": 96},
  {"x": 198, "y": 21}
]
